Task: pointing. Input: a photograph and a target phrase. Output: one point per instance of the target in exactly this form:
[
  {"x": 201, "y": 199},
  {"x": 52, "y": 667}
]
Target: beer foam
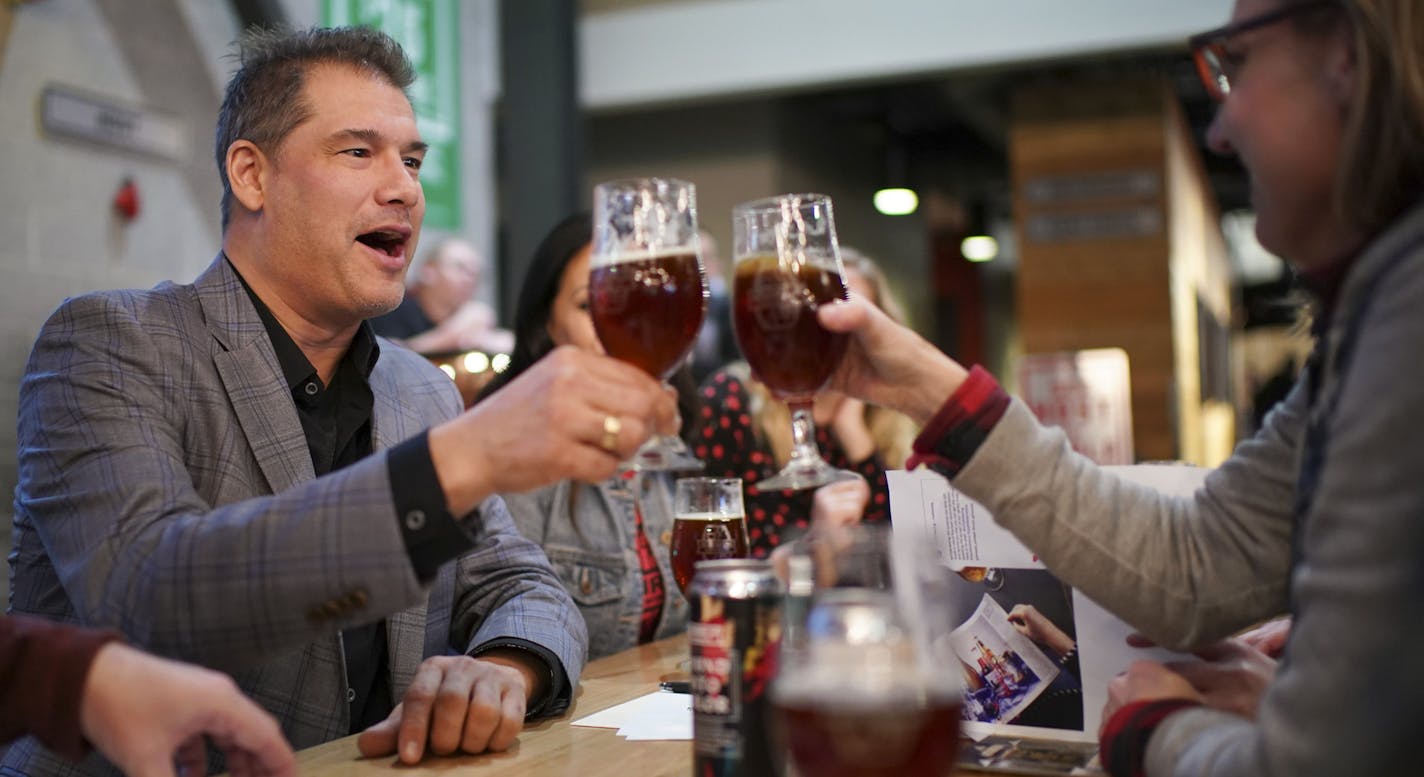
[
  {"x": 709, "y": 517},
  {"x": 622, "y": 257}
]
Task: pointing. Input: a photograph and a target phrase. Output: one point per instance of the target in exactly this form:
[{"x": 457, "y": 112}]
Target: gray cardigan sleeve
[
  {"x": 1184, "y": 570},
  {"x": 1348, "y": 694}
]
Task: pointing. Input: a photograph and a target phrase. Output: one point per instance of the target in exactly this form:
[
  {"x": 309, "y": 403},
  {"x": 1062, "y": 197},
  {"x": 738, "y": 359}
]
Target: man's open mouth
[{"x": 386, "y": 241}]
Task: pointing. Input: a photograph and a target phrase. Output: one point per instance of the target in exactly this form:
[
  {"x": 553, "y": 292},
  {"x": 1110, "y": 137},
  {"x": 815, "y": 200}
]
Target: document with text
[{"x": 1035, "y": 655}]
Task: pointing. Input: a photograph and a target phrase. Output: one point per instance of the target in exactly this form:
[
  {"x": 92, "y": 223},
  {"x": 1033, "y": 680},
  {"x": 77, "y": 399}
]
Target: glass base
[
  {"x": 798, "y": 475},
  {"x": 664, "y": 454}
]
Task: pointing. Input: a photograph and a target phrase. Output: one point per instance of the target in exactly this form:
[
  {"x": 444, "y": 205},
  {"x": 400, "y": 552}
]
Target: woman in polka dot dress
[{"x": 744, "y": 432}]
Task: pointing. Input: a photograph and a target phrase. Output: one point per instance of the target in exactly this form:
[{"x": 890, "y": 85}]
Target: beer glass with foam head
[
  {"x": 787, "y": 264},
  {"x": 709, "y": 522},
  {"x": 647, "y": 291},
  {"x": 866, "y": 686}
]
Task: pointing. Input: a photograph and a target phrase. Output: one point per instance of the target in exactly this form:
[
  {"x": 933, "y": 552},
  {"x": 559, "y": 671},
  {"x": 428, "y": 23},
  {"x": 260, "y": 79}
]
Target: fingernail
[{"x": 412, "y": 752}]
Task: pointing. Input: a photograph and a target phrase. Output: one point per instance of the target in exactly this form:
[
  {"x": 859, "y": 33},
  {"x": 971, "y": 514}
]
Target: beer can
[{"x": 734, "y": 630}]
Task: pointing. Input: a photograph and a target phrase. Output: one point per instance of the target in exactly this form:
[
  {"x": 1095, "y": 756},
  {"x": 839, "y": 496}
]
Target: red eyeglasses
[{"x": 1217, "y": 65}]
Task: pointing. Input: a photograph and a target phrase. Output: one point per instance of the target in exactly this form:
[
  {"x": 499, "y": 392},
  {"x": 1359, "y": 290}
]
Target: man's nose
[{"x": 399, "y": 184}]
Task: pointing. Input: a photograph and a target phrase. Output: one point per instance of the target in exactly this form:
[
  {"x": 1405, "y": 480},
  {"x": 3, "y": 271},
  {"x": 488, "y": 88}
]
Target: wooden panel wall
[{"x": 1106, "y": 284}]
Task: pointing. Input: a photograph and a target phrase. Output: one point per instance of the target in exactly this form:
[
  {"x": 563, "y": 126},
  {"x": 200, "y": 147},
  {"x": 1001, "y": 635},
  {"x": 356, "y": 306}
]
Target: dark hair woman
[{"x": 608, "y": 542}]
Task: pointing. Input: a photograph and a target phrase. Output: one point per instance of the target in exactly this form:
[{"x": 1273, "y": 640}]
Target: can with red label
[{"x": 734, "y": 630}]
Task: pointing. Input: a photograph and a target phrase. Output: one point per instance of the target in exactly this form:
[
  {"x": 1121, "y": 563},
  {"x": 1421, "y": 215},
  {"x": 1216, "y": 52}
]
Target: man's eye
[
  {"x": 413, "y": 162},
  {"x": 583, "y": 305},
  {"x": 360, "y": 153}
]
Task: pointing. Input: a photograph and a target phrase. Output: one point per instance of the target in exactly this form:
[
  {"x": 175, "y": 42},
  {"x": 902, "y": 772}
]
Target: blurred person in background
[
  {"x": 440, "y": 312},
  {"x": 609, "y": 541},
  {"x": 1319, "y": 513},
  {"x": 742, "y": 431}
]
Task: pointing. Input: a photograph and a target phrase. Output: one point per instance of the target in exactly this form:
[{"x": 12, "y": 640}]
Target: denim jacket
[{"x": 593, "y": 551}]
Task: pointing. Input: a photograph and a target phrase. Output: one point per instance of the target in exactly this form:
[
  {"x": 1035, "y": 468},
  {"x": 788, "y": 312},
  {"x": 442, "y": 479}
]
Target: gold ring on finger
[{"x": 611, "y": 427}]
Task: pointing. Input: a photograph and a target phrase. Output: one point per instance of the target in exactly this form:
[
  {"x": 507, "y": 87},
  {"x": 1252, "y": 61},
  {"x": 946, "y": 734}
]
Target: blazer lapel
[
  {"x": 249, "y": 371},
  {"x": 418, "y": 632},
  {"x": 392, "y": 420}
]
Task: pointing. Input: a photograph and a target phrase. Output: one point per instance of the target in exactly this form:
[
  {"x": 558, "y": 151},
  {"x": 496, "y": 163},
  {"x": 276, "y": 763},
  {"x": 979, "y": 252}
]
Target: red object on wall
[
  {"x": 126, "y": 200},
  {"x": 958, "y": 299}
]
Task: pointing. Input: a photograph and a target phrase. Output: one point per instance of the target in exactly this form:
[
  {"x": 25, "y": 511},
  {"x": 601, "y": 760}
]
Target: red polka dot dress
[{"x": 724, "y": 438}]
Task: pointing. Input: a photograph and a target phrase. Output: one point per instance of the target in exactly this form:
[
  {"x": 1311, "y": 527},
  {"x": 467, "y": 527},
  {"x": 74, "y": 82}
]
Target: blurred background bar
[{"x": 1070, "y": 133}]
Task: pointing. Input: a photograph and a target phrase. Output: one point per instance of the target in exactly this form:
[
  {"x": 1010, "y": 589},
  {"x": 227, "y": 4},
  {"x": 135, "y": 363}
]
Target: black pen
[{"x": 676, "y": 686}]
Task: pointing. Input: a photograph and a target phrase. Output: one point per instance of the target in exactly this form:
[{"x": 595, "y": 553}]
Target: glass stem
[{"x": 803, "y": 432}]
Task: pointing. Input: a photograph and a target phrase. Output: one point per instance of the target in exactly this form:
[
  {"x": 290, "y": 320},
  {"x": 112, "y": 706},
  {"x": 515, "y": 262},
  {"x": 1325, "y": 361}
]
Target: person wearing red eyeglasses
[{"x": 1320, "y": 515}]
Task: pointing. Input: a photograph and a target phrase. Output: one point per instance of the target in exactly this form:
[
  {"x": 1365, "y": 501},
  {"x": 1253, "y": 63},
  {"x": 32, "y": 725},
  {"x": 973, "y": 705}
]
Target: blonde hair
[
  {"x": 1381, "y": 171},
  {"x": 892, "y": 432}
]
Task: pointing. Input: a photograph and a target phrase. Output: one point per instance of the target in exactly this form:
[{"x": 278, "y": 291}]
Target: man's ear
[{"x": 247, "y": 169}]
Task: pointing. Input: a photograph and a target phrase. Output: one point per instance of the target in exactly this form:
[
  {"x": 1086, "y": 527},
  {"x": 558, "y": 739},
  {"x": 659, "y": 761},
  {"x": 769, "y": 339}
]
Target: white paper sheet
[{"x": 658, "y": 715}]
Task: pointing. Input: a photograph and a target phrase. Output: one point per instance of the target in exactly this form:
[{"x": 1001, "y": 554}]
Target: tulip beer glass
[
  {"x": 647, "y": 290},
  {"x": 787, "y": 265}
]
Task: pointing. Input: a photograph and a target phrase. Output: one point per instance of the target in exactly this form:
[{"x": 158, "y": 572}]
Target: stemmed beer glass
[
  {"x": 788, "y": 264},
  {"x": 647, "y": 288}
]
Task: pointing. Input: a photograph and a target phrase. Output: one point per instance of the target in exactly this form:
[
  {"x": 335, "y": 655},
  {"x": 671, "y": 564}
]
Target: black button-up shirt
[{"x": 336, "y": 421}]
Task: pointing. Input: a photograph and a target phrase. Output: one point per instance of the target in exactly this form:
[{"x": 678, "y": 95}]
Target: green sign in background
[{"x": 428, "y": 30}]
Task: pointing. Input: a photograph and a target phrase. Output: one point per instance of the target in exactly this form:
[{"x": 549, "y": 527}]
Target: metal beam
[{"x": 541, "y": 132}]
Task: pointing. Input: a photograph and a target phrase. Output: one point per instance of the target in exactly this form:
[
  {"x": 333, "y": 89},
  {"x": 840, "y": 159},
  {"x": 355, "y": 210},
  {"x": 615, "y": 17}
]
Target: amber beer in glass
[
  {"x": 787, "y": 266},
  {"x": 709, "y": 522},
  {"x": 775, "y": 320},
  {"x": 647, "y": 311},
  {"x": 647, "y": 292},
  {"x": 866, "y": 686},
  {"x": 830, "y": 733}
]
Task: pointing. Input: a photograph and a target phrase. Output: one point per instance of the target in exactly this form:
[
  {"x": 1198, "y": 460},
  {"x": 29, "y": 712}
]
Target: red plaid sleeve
[
  {"x": 1123, "y": 740},
  {"x": 955, "y": 433},
  {"x": 43, "y": 669}
]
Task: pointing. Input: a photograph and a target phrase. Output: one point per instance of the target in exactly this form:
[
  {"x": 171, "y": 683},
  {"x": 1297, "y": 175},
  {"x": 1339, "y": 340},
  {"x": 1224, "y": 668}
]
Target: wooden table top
[{"x": 550, "y": 748}]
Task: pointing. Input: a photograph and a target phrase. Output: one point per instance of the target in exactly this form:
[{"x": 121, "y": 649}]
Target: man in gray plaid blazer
[{"x": 237, "y": 472}]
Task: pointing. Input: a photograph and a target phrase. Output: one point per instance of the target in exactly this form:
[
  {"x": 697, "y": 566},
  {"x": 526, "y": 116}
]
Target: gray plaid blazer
[{"x": 166, "y": 490}]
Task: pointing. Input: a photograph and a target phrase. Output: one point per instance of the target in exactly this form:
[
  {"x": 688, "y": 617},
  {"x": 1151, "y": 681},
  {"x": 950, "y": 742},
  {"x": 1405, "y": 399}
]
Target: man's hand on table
[{"x": 455, "y": 704}]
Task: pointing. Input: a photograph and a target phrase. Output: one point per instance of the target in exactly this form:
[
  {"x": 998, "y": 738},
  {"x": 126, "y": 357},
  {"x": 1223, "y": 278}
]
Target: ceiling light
[
  {"x": 979, "y": 248},
  {"x": 896, "y": 201}
]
